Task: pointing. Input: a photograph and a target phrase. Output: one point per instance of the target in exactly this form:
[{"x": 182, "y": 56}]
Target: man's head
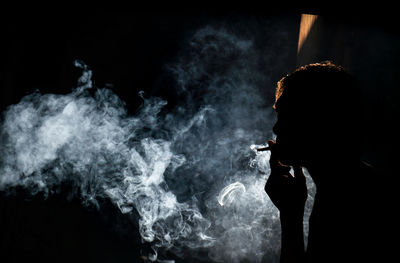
[{"x": 318, "y": 114}]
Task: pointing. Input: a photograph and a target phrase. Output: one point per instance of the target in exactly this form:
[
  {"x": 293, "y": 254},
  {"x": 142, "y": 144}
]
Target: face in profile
[
  {"x": 317, "y": 110},
  {"x": 301, "y": 137},
  {"x": 290, "y": 141}
]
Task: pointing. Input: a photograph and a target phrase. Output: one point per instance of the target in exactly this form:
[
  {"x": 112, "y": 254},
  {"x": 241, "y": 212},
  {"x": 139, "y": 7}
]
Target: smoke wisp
[{"x": 189, "y": 173}]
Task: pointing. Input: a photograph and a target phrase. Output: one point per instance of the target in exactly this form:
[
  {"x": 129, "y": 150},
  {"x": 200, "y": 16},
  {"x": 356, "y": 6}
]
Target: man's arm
[
  {"x": 292, "y": 249},
  {"x": 289, "y": 194}
]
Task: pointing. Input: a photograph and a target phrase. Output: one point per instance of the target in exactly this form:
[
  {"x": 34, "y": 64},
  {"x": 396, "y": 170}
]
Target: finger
[
  {"x": 278, "y": 168},
  {"x": 298, "y": 173},
  {"x": 271, "y": 143},
  {"x": 298, "y": 170},
  {"x": 276, "y": 165},
  {"x": 273, "y": 158}
]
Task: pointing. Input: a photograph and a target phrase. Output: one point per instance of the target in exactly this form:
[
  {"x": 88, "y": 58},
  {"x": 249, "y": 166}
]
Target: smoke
[{"x": 191, "y": 173}]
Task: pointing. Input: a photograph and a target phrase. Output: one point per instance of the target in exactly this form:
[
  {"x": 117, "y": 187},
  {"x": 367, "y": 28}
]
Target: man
[{"x": 318, "y": 127}]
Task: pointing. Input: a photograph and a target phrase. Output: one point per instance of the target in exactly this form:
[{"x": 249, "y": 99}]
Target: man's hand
[{"x": 288, "y": 192}]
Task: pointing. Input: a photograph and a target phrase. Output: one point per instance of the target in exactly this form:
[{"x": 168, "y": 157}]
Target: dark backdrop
[{"x": 127, "y": 51}]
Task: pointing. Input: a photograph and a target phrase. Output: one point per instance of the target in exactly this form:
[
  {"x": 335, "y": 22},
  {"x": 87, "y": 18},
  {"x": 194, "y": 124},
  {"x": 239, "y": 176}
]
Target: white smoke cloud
[{"x": 190, "y": 173}]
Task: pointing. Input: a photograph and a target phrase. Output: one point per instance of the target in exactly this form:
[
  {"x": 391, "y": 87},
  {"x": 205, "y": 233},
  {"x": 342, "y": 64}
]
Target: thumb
[{"x": 298, "y": 173}]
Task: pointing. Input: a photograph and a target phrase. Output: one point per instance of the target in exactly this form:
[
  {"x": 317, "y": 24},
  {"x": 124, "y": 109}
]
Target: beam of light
[{"x": 306, "y": 23}]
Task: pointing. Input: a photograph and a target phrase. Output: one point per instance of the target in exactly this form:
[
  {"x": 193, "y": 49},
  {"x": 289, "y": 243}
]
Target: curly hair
[
  {"x": 318, "y": 85},
  {"x": 306, "y": 73}
]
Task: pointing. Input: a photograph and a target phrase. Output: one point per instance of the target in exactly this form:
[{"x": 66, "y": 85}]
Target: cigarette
[{"x": 264, "y": 149}]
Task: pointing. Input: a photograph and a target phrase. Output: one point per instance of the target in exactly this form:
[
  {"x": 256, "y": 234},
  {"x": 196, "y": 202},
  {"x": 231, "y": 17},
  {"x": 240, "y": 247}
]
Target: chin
[
  {"x": 289, "y": 160},
  {"x": 292, "y": 158},
  {"x": 289, "y": 154}
]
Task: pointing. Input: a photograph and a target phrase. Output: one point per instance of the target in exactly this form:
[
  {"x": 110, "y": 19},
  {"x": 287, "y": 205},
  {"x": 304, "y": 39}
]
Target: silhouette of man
[{"x": 318, "y": 127}]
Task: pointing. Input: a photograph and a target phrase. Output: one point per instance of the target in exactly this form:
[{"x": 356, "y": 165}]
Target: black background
[{"x": 127, "y": 49}]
